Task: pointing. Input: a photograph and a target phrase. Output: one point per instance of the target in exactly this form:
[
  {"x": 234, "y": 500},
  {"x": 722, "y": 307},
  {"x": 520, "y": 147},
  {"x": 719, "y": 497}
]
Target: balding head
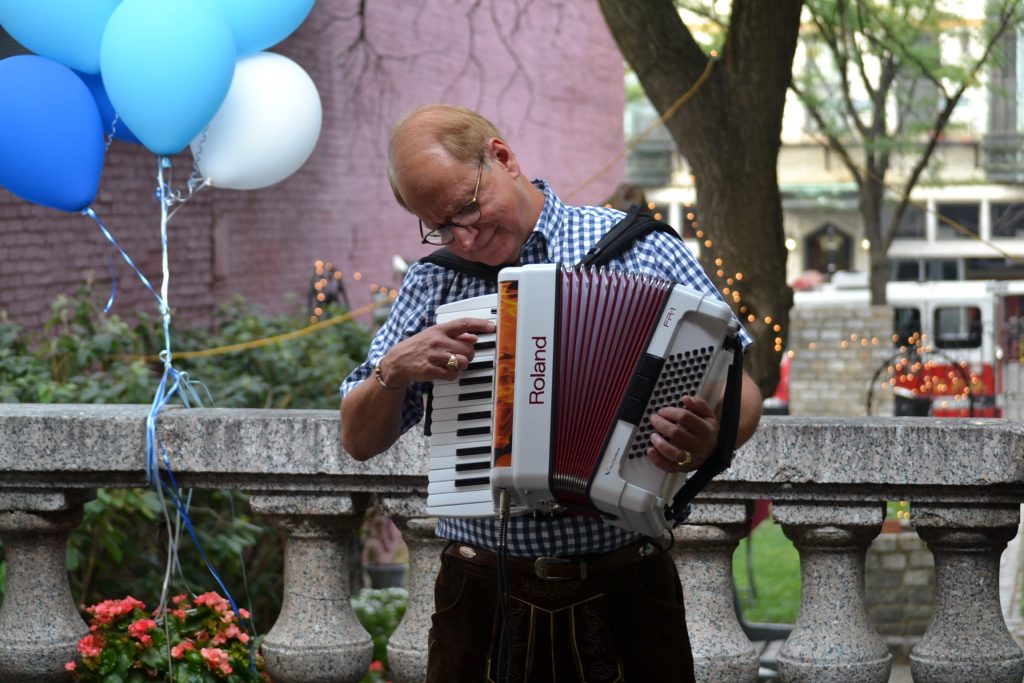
[{"x": 441, "y": 130}]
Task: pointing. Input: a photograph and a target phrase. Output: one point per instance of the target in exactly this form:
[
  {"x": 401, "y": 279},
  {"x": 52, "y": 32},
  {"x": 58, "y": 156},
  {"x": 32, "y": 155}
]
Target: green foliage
[
  {"x": 379, "y": 610},
  {"x": 776, "y": 566},
  {"x": 86, "y": 356}
]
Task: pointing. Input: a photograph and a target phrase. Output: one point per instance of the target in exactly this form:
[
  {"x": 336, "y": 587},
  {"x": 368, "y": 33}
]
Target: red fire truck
[{"x": 958, "y": 346}]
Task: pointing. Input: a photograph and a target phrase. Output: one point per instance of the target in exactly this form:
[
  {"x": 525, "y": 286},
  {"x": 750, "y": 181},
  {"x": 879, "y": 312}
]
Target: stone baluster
[
  {"x": 317, "y": 637},
  {"x": 39, "y": 624},
  {"x": 832, "y": 641},
  {"x": 703, "y": 552},
  {"x": 967, "y": 639},
  {"x": 407, "y": 648}
]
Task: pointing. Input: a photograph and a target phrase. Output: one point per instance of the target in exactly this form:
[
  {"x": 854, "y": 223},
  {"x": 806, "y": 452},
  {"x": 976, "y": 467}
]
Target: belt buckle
[{"x": 540, "y": 566}]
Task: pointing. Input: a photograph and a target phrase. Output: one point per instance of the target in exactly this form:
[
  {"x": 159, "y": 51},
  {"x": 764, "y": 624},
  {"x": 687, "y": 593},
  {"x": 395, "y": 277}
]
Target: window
[
  {"x": 912, "y": 225},
  {"x": 904, "y": 271},
  {"x": 1007, "y": 220},
  {"x": 827, "y": 250},
  {"x": 958, "y": 327},
  {"x": 907, "y": 324},
  {"x": 936, "y": 269},
  {"x": 964, "y": 216}
]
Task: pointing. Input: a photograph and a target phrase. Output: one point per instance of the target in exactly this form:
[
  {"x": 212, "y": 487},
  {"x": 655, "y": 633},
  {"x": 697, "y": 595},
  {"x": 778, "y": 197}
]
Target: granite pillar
[
  {"x": 407, "y": 648},
  {"x": 832, "y": 641},
  {"x": 703, "y": 552},
  {"x": 967, "y": 639},
  {"x": 317, "y": 637},
  {"x": 39, "y": 624}
]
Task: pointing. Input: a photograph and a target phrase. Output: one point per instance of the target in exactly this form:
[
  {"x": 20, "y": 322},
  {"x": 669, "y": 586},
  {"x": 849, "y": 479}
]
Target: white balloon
[{"x": 266, "y": 128}]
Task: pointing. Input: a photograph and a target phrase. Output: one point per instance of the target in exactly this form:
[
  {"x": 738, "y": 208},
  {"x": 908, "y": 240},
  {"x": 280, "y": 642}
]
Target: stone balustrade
[{"x": 829, "y": 479}]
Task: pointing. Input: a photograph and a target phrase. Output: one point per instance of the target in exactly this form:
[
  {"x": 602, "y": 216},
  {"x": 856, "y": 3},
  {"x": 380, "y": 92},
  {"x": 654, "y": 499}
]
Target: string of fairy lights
[{"x": 902, "y": 371}]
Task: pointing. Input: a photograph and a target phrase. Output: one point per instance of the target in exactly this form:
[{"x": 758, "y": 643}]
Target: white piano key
[
  {"x": 441, "y": 488},
  {"x": 453, "y": 475},
  {"x": 465, "y": 447},
  {"x": 438, "y": 428},
  {"x": 480, "y": 508},
  {"x": 461, "y": 413},
  {"x": 482, "y": 397},
  {"x": 449, "y": 462}
]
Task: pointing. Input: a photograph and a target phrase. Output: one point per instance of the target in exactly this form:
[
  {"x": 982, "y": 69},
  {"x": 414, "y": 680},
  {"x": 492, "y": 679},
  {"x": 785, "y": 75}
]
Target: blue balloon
[
  {"x": 51, "y": 138},
  {"x": 167, "y": 66},
  {"x": 258, "y": 24},
  {"x": 68, "y": 31},
  {"x": 112, "y": 123}
]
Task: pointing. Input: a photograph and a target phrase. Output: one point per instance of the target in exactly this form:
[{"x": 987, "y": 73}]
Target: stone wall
[
  {"x": 899, "y": 587},
  {"x": 521, "y": 64},
  {"x": 836, "y": 352}
]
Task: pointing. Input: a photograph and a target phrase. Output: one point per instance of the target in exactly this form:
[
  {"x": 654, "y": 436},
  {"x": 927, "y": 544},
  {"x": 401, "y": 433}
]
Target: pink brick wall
[{"x": 548, "y": 74}]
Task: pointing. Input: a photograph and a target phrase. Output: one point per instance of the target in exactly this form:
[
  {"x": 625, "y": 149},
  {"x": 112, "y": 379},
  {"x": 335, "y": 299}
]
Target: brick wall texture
[
  {"x": 548, "y": 74},
  {"x": 899, "y": 587},
  {"x": 837, "y": 351}
]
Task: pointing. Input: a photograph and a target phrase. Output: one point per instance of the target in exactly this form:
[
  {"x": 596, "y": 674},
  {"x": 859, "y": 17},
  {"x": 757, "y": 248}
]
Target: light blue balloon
[
  {"x": 68, "y": 31},
  {"x": 51, "y": 138},
  {"x": 258, "y": 24},
  {"x": 167, "y": 66}
]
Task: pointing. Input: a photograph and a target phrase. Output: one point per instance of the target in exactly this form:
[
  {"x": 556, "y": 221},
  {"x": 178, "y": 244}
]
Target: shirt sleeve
[{"x": 413, "y": 310}]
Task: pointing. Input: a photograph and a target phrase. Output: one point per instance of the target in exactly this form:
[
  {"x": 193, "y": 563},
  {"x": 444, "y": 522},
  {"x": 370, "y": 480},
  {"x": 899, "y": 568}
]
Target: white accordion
[{"x": 554, "y": 408}]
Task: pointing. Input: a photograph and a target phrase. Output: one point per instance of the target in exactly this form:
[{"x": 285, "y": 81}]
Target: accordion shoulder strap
[
  {"x": 636, "y": 224},
  {"x": 721, "y": 458}
]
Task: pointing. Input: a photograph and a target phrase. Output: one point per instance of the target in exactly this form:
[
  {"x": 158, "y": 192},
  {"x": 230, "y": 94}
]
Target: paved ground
[{"x": 900, "y": 674}]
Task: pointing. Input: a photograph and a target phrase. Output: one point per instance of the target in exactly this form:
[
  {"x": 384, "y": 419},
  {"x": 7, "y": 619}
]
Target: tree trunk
[
  {"x": 729, "y": 134},
  {"x": 871, "y": 198}
]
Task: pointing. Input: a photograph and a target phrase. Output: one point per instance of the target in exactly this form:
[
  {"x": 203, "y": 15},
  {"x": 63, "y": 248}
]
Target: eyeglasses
[{"x": 463, "y": 218}]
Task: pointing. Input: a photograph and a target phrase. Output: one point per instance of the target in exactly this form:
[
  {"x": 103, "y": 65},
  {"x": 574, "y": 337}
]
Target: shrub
[{"x": 86, "y": 356}]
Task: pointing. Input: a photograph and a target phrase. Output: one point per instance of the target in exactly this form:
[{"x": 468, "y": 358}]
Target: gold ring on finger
[{"x": 453, "y": 363}]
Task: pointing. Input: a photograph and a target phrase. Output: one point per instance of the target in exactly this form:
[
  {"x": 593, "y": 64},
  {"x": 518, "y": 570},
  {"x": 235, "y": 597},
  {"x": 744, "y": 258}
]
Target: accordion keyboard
[{"x": 459, "y": 482}]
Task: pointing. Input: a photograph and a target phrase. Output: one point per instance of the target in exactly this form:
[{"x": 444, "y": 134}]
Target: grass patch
[{"x": 776, "y": 563}]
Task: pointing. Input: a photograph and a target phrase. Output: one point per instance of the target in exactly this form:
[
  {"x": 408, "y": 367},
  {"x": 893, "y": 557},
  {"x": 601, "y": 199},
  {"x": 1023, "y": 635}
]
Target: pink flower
[
  {"x": 213, "y": 601},
  {"x": 178, "y": 599},
  {"x": 377, "y": 666},
  {"x": 179, "y": 650},
  {"x": 70, "y": 666},
  {"x": 90, "y": 646},
  {"x": 180, "y": 614},
  {"x": 108, "y": 610},
  {"x": 141, "y": 627},
  {"x": 216, "y": 659},
  {"x": 242, "y": 612}
]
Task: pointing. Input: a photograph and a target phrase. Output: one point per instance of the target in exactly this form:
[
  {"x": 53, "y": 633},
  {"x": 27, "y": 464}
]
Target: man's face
[{"x": 438, "y": 190}]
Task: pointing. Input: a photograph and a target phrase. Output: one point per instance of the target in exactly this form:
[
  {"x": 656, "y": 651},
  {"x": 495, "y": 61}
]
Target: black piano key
[
  {"x": 470, "y": 466},
  {"x": 474, "y": 481},
  {"x": 479, "y": 415},
  {"x": 473, "y": 431},
  {"x": 474, "y": 395},
  {"x": 480, "y": 365},
  {"x": 473, "y": 450},
  {"x": 469, "y": 381},
  {"x": 484, "y": 345}
]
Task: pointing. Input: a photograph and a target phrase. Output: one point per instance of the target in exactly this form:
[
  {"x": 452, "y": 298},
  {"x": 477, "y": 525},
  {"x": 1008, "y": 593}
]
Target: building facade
[{"x": 519, "y": 64}]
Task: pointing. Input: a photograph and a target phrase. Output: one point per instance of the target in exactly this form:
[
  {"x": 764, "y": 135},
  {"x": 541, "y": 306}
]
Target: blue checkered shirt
[{"x": 563, "y": 234}]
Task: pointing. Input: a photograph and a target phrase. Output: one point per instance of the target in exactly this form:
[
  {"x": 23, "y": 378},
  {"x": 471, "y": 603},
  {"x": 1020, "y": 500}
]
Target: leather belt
[{"x": 576, "y": 568}]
